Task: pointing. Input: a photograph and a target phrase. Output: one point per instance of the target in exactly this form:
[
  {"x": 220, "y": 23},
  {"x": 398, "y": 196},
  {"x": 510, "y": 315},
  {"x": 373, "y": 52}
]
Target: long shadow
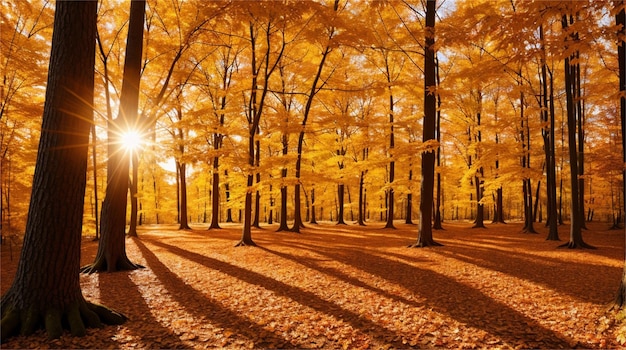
[
  {"x": 342, "y": 276},
  {"x": 456, "y": 300},
  {"x": 540, "y": 272},
  {"x": 201, "y": 307},
  {"x": 305, "y": 298},
  {"x": 137, "y": 310}
]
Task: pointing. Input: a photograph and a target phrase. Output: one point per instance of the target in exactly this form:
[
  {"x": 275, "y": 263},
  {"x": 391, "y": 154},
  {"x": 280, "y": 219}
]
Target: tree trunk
[
  {"x": 620, "y": 19},
  {"x": 548, "y": 141},
  {"x": 256, "y": 222},
  {"x": 215, "y": 196},
  {"x": 246, "y": 235},
  {"x": 297, "y": 215},
  {"x": 409, "y": 209},
  {"x": 94, "y": 153},
  {"x": 392, "y": 163},
  {"x": 46, "y": 289},
  {"x": 111, "y": 254},
  {"x": 182, "y": 173},
  {"x": 340, "y": 204},
  {"x": 527, "y": 190},
  {"x": 480, "y": 208},
  {"x": 298, "y": 224},
  {"x": 438, "y": 200},
  {"x": 479, "y": 182},
  {"x": 576, "y": 237},
  {"x": 229, "y": 211},
  {"x": 313, "y": 219},
  {"x": 425, "y": 233},
  {"x": 132, "y": 187},
  {"x": 361, "y": 214}
]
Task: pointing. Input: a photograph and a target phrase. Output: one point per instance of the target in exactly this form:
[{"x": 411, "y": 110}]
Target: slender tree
[
  {"x": 620, "y": 21},
  {"x": 111, "y": 255},
  {"x": 425, "y": 230},
  {"x": 576, "y": 237},
  {"x": 46, "y": 289},
  {"x": 547, "y": 118},
  {"x": 262, "y": 69},
  {"x": 315, "y": 88}
]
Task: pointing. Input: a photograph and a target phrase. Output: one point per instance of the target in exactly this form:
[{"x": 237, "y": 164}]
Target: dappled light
[{"x": 353, "y": 287}]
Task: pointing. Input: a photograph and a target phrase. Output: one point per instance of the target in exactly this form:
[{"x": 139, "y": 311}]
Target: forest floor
[{"x": 352, "y": 287}]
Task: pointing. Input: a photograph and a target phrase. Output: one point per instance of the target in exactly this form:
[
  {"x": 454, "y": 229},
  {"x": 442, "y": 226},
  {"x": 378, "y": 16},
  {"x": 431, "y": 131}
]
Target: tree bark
[
  {"x": 620, "y": 20},
  {"x": 182, "y": 173},
  {"x": 576, "y": 237},
  {"x": 111, "y": 255},
  {"x": 340, "y": 204},
  {"x": 132, "y": 187},
  {"x": 46, "y": 289},
  {"x": 298, "y": 224},
  {"x": 548, "y": 141},
  {"x": 425, "y": 233}
]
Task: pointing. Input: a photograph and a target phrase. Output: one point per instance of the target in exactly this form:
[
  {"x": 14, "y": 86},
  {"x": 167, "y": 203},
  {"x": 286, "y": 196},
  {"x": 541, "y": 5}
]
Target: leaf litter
[{"x": 352, "y": 287}]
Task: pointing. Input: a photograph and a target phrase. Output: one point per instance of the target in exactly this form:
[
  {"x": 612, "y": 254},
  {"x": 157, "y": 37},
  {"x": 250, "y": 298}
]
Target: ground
[{"x": 352, "y": 287}]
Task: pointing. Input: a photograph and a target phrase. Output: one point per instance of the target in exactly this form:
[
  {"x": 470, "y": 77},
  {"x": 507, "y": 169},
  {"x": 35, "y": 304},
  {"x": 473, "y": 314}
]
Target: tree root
[
  {"x": 246, "y": 243},
  {"x": 576, "y": 245},
  {"x": 77, "y": 317},
  {"x": 101, "y": 265},
  {"x": 424, "y": 244}
]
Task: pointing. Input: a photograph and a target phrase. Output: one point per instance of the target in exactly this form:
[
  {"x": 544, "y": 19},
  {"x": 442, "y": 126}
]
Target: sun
[{"x": 131, "y": 140}]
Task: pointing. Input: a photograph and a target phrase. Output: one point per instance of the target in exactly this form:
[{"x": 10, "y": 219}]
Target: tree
[
  {"x": 111, "y": 255},
  {"x": 23, "y": 69},
  {"x": 571, "y": 85},
  {"x": 310, "y": 96},
  {"x": 425, "y": 230},
  {"x": 262, "y": 69},
  {"x": 620, "y": 21},
  {"x": 46, "y": 289},
  {"x": 547, "y": 117}
]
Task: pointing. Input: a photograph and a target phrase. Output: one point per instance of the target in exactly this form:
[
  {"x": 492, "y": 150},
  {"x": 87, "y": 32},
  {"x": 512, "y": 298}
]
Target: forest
[{"x": 423, "y": 123}]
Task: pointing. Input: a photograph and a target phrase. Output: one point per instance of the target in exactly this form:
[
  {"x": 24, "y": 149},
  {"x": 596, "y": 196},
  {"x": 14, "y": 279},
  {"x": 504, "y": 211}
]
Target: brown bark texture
[{"x": 46, "y": 290}]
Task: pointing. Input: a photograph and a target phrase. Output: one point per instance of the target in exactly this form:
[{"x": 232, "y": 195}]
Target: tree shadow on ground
[
  {"x": 341, "y": 276},
  {"x": 141, "y": 323},
  {"x": 570, "y": 278},
  {"x": 305, "y": 298},
  {"x": 201, "y": 306},
  {"x": 460, "y": 302}
]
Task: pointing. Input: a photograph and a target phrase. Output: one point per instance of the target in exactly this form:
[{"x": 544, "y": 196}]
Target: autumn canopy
[{"x": 288, "y": 114}]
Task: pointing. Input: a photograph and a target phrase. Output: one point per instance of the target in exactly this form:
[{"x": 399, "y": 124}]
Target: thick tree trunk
[
  {"x": 425, "y": 233},
  {"x": 46, "y": 288}
]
